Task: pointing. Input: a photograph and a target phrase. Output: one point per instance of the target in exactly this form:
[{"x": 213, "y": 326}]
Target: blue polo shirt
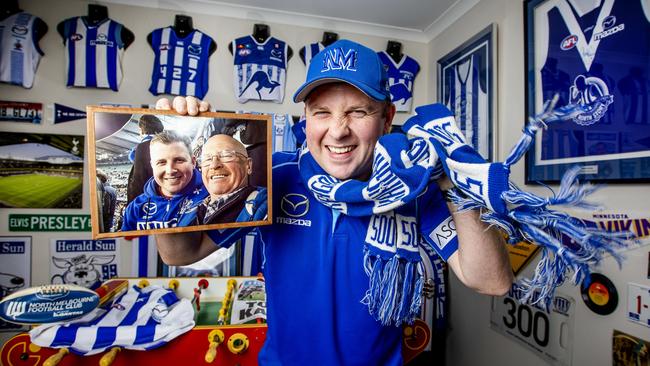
[{"x": 315, "y": 279}]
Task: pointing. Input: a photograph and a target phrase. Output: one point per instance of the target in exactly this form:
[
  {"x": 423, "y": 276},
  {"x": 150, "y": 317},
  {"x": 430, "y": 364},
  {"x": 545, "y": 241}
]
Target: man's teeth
[
  {"x": 217, "y": 176},
  {"x": 340, "y": 150}
]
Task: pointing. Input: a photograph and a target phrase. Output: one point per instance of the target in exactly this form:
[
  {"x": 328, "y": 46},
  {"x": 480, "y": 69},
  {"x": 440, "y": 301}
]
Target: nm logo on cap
[{"x": 339, "y": 59}]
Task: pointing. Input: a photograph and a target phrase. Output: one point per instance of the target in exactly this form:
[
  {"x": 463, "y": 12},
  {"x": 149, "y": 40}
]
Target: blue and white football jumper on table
[
  {"x": 181, "y": 64},
  {"x": 19, "y": 51}
]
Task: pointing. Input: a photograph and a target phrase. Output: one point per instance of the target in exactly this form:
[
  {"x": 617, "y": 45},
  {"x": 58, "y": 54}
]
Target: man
[
  {"x": 109, "y": 200},
  {"x": 172, "y": 194},
  {"x": 316, "y": 256},
  {"x": 225, "y": 169},
  {"x": 141, "y": 170}
]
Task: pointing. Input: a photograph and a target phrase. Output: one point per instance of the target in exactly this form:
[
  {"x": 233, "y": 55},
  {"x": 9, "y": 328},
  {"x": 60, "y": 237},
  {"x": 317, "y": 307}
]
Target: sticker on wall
[
  {"x": 638, "y": 304},
  {"x": 521, "y": 254},
  {"x": 86, "y": 263},
  {"x": 15, "y": 269},
  {"x": 547, "y": 334},
  {"x": 637, "y": 224},
  {"x": 63, "y": 113},
  {"x": 628, "y": 350},
  {"x": 599, "y": 294},
  {"x": 21, "y": 111},
  {"x": 38, "y": 222},
  {"x": 41, "y": 170}
]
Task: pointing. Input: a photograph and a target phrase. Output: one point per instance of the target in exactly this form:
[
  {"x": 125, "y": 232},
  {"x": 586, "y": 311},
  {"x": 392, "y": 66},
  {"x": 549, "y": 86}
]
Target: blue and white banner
[
  {"x": 21, "y": 111},
  {"x": 81, "y": 262},
  {"x": 15, "y": 269}
]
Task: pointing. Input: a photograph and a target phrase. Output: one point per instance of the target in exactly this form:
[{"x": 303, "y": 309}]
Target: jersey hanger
[{"x": 394, "y": 50}]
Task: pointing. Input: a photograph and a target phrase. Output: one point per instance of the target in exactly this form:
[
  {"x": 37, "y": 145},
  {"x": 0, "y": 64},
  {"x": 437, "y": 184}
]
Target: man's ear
[
  {"x": 249, "y": 165},
  {"x": 390, "y": 114}
]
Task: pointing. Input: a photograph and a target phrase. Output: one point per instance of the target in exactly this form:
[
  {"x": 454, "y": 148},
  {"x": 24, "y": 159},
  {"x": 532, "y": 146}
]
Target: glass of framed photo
[
  {"x": 595, "y": 55},
  {"x": 160, "y": 172},
  {"x": 466, "y": 85}
]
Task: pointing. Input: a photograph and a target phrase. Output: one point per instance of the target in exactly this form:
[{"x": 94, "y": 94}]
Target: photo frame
[
  {"x": 153, "y": 174},
  {"x": 599, "y": 60},
  {"x": 467, "y": 86}
]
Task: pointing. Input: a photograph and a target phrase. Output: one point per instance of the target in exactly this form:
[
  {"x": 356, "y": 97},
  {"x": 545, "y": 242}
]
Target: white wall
[
  {"x": 471, "y": 341},
  {"x": 49, "y": 86}
]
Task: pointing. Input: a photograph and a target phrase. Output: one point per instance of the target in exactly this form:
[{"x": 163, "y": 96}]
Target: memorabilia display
[
  {"x": 466, "y": 85},
  {"x": 594, "y": 56},
  {"x": 63, "y": 113},
  {"x": 599, "y": 294},
  {"x": 19, "y": 49},
  {"x": 638, "y": 304},
  {"x": 41, "y": 170},
  {"x": 147, "y": 175},
  {"x": 40, "y": 222},
  {"x": 401, "y": 70},
  {"x": 84, "y": 263},
  {"x": 21, "y": 111},
  {"x": 628, "y": 350}
]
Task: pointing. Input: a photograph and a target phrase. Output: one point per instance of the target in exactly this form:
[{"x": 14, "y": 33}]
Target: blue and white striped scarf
[{"x": 403, "y": 167}]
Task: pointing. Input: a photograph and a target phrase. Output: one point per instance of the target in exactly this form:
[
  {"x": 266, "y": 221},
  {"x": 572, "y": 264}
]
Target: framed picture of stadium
[
  {"x": 595, "y": 55},
  {"x": 466, "y": 85},
  {"x": 41, "y": 170},
  {"x": 160, "y": 172}
]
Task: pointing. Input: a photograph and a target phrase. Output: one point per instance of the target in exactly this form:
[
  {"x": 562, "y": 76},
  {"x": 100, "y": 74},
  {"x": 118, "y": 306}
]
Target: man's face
[
  {"x": 172, "y": 165},
  {"x": 223, "y": 177},
  {"x": 343, "y": 126}
]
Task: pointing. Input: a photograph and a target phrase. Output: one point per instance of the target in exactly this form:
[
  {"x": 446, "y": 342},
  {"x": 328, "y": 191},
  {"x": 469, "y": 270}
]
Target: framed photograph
[
  {"x": 595, "y": 55},
  {"x": 466, "y": 85},
  {"x": 159, "y": 172},
  {"x": 41, "y": 170}
]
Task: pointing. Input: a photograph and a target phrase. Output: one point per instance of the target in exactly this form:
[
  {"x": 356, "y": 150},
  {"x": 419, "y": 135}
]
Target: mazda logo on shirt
[
  {"x": 295, "y": 205},
  {"x": 149, "y": 208}
]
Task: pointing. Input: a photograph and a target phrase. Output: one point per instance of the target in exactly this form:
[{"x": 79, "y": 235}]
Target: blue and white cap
[{"x": 349, "y": 62}]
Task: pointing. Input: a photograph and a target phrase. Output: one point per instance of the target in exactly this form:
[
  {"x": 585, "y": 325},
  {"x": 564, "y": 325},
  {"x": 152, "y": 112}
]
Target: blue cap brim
[{"x": 307, "y": 88}]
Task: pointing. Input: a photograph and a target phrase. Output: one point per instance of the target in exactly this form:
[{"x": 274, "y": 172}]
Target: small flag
[{"x": 64, "y": 113}]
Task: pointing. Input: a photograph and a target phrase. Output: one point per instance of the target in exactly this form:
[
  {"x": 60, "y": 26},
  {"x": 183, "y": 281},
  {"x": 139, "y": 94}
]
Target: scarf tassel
[{"x": 394, "y": 292}]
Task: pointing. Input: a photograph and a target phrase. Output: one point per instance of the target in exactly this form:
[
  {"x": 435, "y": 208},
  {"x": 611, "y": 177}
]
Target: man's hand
[{"x": 183, "y": 105}]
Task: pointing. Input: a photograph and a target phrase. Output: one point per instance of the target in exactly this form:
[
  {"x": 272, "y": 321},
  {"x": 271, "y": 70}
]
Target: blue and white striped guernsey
[
  {"x": 141, "y": 319},
  {"x": 312, "y": 50},
  {"x": 93, "y": 54},
  {"x": 259, "y": 69},
  {"x": 181, "y": 64},
  {"x": 19, "y": 51}
]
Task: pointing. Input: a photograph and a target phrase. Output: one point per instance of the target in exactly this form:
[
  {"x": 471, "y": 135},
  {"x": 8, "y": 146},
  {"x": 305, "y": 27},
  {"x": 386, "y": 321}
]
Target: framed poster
[
  {"x": 160, "y": 172},
  {"x": 595, "y": 55},
  {"x": 41, "y": 170},
  {"x": 466, "y": 85}
]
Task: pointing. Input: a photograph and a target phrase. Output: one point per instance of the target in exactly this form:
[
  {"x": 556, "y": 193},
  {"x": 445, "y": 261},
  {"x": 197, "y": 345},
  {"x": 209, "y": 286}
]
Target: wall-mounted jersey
[
  {"x": 181, "y": 64},
  {"x": 400, "y": 79},
  {"x": 283, "y": 137},
  {"x": 467, "y": 99},
  {"x": 312, "y": 50},
  {"x": 93, "y": 53},
  {"x": 19, "y": 51},
  {"x": 260, "y": 69},
  {"x": 597, "y": 56}
]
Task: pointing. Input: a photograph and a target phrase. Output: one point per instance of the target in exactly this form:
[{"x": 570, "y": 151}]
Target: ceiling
[{"x": 416, "y": 20}]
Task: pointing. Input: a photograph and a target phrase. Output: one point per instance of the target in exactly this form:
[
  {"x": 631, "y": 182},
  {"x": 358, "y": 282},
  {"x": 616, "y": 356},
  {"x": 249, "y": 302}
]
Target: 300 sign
[{"x": 532, "y": 326}]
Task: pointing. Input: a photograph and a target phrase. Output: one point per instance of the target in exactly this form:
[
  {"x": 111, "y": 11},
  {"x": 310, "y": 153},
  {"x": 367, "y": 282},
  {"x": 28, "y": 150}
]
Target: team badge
[
  {"x": 592, "y": 94},
  {"x": 276, "y": 53},
  {"x": 76, "y": 37},
  {"x": 339, "y": 59},
  {"x": 164, "y": 47}
]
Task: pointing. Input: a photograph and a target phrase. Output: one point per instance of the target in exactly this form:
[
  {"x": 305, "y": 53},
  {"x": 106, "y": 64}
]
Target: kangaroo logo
[
  {"x": 399, "y": 92},
  {"x": 263, "y": 82}
]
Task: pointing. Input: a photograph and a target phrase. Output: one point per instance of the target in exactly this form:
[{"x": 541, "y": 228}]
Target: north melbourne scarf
[{"x": 405, "y": 165}]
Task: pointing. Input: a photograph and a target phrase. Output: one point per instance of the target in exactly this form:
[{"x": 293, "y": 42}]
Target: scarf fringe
[{"x": 394, "y": 294}]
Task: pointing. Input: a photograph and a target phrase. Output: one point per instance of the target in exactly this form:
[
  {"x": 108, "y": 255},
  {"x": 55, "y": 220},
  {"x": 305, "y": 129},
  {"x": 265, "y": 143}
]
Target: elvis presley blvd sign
[{"x": 36, "y": 222}]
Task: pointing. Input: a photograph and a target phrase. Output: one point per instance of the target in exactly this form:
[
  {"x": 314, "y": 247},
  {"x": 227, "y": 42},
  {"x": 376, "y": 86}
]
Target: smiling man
[
  {"x": 341, "y": 270},
  {"x": 225, "y": 169},
  {"x": 172, "y": 194}
]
